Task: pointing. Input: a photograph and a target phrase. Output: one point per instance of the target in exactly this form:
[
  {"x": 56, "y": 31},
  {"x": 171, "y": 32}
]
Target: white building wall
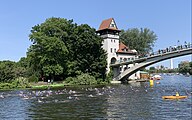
[
  {"x": 111, "y": 45},
  {"x": 123, "y": 57}
]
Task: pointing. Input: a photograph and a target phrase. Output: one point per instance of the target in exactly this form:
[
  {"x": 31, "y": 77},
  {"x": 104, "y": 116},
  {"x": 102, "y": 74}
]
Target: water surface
[{"x": 137, "y": 101}]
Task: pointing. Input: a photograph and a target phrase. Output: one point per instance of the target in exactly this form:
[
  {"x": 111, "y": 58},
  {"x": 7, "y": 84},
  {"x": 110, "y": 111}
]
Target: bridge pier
[{"x": 116, "y": 71}]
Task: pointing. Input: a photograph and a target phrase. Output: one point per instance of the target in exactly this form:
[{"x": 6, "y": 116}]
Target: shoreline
[{"x": 46, "y": 85}]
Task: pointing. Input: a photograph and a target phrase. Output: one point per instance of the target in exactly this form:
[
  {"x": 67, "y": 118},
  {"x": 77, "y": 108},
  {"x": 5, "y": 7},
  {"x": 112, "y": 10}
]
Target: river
[{"x": 136, "y": 101}]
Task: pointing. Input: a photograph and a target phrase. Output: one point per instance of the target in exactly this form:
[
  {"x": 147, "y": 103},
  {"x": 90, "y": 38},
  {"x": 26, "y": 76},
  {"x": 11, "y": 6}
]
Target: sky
[{"x": 169, "y": 19}]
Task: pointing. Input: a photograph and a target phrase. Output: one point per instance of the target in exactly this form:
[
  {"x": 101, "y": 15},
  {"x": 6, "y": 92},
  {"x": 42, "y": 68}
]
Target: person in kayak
[{"x": 177, "y": 94}]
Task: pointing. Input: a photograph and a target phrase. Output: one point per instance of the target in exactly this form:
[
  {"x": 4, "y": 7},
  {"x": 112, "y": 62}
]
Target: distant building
[
  {"x": 116, "y": 51},
  {"x": 144, "y": 75}
]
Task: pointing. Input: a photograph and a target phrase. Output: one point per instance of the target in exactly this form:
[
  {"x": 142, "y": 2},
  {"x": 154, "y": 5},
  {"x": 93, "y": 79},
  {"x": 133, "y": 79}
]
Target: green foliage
[
  {"x": 48, "y": 53},
  {"x": 10, "y": 70},
  {"x": 190, "y": 70},
  {"x": 141, "y": 40},
  {"x": 22, "y": 68},
  {"x": 69, "y": 79},
  {"x": 18, "y": 83},
  {"x": 21, "y": 83},
  {"x": 185, "y": 67},
  {"x": 33, "y": 78},
  {"x": 152, "y": 68},
  {"x": 161, "y": 70},
  {"x": 109, "y": 76},
  {"x": 60, "y": 49},
  {"x": 83, "y": 79},
  {"x": 63, "y": 48},
  {"x": 5, "y": 85},
  {"x": 7, "y": 71}
]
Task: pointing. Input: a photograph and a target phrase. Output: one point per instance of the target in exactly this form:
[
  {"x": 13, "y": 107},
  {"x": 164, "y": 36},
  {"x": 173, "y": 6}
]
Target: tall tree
[
  {"x": 22, "y": 68},
  {"x": 7, "y": 71},
  {"x": 141, "y": 40},
  {"x": 61, "y": 47},
  {"x": 47, "y": 54},
  {"x": 88, "y": 55}
]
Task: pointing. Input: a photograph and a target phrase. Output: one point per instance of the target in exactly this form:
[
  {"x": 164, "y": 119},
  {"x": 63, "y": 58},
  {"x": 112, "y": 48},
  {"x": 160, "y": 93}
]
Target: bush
[
  {"x": 21, "y": 83},
  {"x": 5, "y": 85},
  {"x": 102, "y": 82},
  {"x": 33, "y": 78},
  {"x": 18, "y": 83},
  {"x": 109, "y": 76},
  {"x": 69, "y": 79},
  {"x": 83, "y": 79}
]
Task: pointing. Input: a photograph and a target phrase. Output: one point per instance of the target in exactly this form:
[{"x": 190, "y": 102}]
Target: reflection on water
[{"x": 134, "y": 101}]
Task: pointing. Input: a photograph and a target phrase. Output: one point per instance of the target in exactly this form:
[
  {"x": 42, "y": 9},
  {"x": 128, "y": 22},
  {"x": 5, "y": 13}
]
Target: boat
[
  {"x": 156, "y": 77},
  {"x": 158, "y": 82},
  {"x": 174, "y": 97}
]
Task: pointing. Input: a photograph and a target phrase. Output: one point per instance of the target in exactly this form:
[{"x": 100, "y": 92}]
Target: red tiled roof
[
  {"x": 124, "y": 49},
  {"x": 106, "y": 25}
]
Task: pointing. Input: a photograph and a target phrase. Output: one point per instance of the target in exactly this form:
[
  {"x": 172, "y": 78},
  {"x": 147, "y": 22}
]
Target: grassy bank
[
  {"x": 46, "y": 85},
  {"x": 41, "y": 85},
  {"x": 81, "y": 80}
]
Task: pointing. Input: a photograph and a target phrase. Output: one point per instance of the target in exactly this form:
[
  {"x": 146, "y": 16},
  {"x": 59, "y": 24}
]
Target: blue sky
[{"x": 169, "y": 19}]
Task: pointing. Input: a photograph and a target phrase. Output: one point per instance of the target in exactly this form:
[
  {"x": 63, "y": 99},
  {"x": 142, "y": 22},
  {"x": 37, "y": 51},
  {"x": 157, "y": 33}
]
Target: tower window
[
  {"x": 115, "y": 50},
  {"x": 111, "y": 40},
  {"x": 121, "y": 59},
  {"x": 112, "y": 25},
  {"x": 114, "y": 41},
  {"x": 111, "y": 50}
]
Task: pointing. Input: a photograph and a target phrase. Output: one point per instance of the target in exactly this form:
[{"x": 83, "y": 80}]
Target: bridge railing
[
  {"x": 159, "y": 52},
  {"x": 171, "y": 51}
]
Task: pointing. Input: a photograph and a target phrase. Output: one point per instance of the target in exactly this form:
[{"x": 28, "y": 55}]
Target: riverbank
[
  {"x": 130, "y": 81},
  {"x": 34, "y": 85},
  {"x": 46, "y": 85}
]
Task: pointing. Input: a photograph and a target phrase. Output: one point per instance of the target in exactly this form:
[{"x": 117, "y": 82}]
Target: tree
[
  {"x": 86, "y": 52},
  {"x": 63, "y": 48},
  {"x": 22, "y": 68},
  {"x": 190, "y": 68},
  {"x": 185, "y": 67},
  {"x": 152, "y": 69},
  {"x": 48, "y": 53},
  {"x": 7, "y": 71},
  {"x": 141, "y": 40}
]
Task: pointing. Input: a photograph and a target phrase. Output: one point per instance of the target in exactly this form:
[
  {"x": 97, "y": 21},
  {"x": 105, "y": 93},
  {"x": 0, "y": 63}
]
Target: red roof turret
[{"x": 108, "y": 24}]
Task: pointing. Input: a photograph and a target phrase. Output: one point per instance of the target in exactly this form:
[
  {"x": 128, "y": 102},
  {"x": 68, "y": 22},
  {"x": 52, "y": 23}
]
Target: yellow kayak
[{"x": 174, "y": 97}]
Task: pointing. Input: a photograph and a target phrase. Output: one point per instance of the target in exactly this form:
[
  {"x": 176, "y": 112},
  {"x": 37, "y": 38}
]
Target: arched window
[
  {"x": 125, "y": 59},
  {"x": 113, "y": 60}
]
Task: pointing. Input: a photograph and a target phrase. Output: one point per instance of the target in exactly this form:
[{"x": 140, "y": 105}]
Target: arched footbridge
[{"x": 146, "y": 61}]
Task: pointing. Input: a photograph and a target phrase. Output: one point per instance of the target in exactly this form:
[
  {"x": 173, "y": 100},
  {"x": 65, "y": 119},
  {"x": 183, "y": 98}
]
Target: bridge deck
[
  {"x": 146, "y": 61},
  {"x": 139, "y": 60}
]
